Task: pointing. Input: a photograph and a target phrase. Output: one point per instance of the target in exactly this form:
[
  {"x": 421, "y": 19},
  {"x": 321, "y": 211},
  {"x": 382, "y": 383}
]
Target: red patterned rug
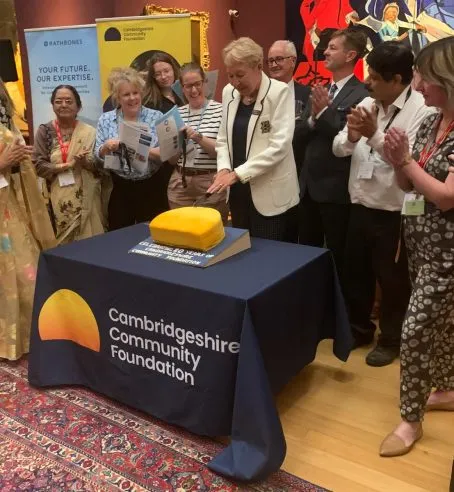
[{"x": 70, "y": 439}]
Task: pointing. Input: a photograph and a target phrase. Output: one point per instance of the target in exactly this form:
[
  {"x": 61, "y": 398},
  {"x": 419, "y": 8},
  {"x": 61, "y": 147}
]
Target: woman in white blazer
[{"x": 254, "y": 146}]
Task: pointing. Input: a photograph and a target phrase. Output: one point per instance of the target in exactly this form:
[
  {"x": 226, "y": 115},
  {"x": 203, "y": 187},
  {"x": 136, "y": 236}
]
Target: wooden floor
[{"x": 335, "y": 415}]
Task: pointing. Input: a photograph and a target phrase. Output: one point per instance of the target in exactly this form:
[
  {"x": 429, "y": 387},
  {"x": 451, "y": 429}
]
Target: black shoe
[{"x": 382, "y": 356}]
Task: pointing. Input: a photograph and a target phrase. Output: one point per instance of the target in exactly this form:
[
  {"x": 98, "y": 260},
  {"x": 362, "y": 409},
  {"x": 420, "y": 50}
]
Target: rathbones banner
[{"x": 64, "y": 55}]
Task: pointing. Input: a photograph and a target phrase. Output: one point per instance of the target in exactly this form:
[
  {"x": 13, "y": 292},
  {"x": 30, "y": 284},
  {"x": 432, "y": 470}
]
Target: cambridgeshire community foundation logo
[{"x": 67, "y": 316}]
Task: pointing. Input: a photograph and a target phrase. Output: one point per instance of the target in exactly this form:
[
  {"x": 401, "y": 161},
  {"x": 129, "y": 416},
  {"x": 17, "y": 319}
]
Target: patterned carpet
[{"x": 70, "y": 439}]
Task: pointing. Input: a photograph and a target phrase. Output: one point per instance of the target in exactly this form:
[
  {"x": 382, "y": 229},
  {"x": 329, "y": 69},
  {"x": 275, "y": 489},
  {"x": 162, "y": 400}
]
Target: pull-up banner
[
  {"x": 64, "y": 55},
  {"x": 132, "y": 41}
]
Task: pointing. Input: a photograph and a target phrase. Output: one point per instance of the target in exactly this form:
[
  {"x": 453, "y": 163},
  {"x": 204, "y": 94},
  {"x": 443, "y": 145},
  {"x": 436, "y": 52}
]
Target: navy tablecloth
[{"x": 206, "y": 349}]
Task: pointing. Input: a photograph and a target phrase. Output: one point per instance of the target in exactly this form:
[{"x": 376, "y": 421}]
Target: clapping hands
[
  {"x": 320, "y": 99},
  {"x": 14, "y": 153},
  {"x": 396, "y": 147},
  {"x": 362, "y": 123}
]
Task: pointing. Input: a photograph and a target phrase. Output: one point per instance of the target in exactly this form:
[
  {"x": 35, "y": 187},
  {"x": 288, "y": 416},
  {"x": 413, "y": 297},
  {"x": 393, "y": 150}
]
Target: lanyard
[
  {"x": 396, "y": 112},
  {"x": 201, "y": 115},
  {"x": 429, "y": 150},
  {"x": 64, "y": 146},
  {"x": 393, "y": 117}
]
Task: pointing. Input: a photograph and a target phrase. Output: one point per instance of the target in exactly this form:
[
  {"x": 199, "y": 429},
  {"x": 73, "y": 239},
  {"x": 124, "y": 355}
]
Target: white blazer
[{"x": 270, "y": 166}]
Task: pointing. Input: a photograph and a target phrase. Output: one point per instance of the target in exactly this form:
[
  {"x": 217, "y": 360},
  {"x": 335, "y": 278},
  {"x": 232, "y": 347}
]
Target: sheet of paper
[
  {"x": 176, "y": 87},
  {"x": 66, "y": 178},
  {"x": 212, "y": 82},
  {"x": 168, "y": 129},
  {"x": 3, "y": 182},
  {"x": 138, "y": 140}
]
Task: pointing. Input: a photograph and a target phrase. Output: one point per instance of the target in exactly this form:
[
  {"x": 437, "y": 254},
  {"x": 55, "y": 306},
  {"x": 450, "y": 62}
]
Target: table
[{"x": 205, "y": 349}]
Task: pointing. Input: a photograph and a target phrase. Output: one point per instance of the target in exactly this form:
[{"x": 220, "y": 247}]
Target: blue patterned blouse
[{"x": 108, "y": 128}]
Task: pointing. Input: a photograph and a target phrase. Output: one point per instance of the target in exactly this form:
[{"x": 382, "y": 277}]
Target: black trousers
[
  {"x": 282, "y": 227},
  {"x": 132, "y": 202},
  {"x": 372, "y": 243},
  {"x": 324, "y": 223}
]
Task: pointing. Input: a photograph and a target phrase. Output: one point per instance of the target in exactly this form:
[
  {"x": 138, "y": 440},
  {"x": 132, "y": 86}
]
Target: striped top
[{"x": 209, "y": 127}]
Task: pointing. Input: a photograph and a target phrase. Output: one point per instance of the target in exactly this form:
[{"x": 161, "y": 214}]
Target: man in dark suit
[
  {"x": 281, "y": 65},
  {"x": 325, "y": 203}
]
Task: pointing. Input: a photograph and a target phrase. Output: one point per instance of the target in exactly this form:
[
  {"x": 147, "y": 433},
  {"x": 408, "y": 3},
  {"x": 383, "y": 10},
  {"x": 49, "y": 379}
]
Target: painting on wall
[{"x": 310, "y": 23}]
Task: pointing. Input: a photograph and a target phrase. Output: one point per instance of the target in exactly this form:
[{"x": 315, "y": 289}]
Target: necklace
[{"x": 249, "y": 99}]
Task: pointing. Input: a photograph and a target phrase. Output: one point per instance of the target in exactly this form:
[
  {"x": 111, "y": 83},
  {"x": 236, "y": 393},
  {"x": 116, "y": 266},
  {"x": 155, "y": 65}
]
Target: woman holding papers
[
  {"x": 194, "y": 172},
  {"x": 63, "y": 156},
  {"x": 25, "y": 229},
  {"x": 254, "y": 146},
  {"x": 135, "y": 193},
  {"x": 163, "y": 72}
]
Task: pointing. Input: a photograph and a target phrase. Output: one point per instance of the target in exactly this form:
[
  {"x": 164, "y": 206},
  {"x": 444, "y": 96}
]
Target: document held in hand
[
  {"x": 137, "y": 138},
  {"x": 170, "y": 137}
]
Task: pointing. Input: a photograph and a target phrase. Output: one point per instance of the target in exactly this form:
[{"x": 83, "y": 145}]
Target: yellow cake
[{"x": 197, "y": 228}]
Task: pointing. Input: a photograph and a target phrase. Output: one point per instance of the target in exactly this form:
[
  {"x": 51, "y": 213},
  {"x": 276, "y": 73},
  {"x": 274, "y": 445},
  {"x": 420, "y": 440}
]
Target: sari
[
  {"x": 25, "y": 230},
  {"x": 76, "y": 209}
]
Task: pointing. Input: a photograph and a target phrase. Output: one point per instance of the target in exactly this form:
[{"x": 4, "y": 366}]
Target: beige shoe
[
  {"x": 447, "y": 406},
  {"x": 393, "y": 445}
]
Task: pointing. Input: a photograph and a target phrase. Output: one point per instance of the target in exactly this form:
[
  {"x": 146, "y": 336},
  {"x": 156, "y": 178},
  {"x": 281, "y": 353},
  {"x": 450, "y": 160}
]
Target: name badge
[
  {"x": 112, "y": 162},
  {"x": 3, "y": 182},
  {"x": 413, "y": 204},
  {"x": 66, "y": 178},
  {"x": 366, "y": 170}
]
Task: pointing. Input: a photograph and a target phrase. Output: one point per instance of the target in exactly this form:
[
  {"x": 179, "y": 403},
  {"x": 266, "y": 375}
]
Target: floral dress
[{"x": 427, "y": 344}]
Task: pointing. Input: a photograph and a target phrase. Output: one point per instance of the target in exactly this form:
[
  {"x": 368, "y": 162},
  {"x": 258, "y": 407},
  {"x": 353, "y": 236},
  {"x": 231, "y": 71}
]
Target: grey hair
[{"x": 290, "y": 47}]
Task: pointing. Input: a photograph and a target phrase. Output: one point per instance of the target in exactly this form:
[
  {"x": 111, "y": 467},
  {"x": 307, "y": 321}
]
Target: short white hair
[{"x": 289, "y": 46}]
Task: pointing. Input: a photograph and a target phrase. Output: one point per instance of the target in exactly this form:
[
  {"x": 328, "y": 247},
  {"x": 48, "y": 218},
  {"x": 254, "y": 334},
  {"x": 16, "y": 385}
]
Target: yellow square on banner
[{"x": 131, "y": 41}]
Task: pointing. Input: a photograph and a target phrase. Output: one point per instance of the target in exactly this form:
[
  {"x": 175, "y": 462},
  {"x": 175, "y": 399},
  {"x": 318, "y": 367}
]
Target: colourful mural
[{"x": 310, "y": 23}]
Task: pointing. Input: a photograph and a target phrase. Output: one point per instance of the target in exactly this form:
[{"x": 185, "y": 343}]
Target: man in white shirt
[{"x": 375, "y": 250}]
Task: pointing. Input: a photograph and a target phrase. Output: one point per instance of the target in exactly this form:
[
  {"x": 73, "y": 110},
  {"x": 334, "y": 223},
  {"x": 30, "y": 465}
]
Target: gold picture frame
[{"x": 199, "y": 30}]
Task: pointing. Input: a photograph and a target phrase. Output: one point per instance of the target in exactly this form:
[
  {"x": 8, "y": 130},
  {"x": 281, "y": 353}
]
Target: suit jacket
[
  {"x": 302, "y": 93},
  {"x": 270, "y": 166},
  {"x": 324, "y": 175}
]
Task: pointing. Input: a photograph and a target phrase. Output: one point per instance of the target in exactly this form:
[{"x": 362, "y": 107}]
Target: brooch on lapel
[{"x": 265, "y": 126}]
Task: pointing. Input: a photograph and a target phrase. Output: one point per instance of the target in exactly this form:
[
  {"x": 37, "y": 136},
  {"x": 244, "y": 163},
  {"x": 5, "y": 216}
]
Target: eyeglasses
[
  {"x": 278, "y": 59},
  {"x": 198, "y": 85},
  {"x": 159, "y": 75}
]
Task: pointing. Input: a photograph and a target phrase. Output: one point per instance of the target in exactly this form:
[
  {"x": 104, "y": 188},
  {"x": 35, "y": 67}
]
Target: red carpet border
[{"x": 71, "y": 439}]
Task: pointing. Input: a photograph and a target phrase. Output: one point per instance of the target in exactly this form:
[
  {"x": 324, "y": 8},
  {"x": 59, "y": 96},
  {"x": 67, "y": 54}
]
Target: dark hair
[
  {"x": 70, "y": 88},
  {"x": 392, "y": 58},
  {"x": 354, "y": 40},
  {"x": 153, "y": 94},
  {"x": 191, "y": 67}
]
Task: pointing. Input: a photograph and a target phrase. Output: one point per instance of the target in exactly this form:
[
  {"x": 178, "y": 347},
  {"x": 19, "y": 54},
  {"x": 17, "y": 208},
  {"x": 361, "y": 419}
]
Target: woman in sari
[
  {"x": 25, "y": 229},
  {"x": 63, "y": 156}
]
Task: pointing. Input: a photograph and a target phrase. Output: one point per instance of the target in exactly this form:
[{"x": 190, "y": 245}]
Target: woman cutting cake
[{"x": 254, "y": 146}]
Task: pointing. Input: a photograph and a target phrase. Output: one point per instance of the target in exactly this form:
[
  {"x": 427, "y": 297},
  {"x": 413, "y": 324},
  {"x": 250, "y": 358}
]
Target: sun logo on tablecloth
[{"x": 67, "y": 316}]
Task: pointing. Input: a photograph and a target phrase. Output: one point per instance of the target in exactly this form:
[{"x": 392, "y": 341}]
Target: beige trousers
[{"x": 179, "y": 196}]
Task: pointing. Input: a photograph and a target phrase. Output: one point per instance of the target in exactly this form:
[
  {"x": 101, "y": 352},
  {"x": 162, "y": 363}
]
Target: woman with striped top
[{"x": 196, "y": 168}]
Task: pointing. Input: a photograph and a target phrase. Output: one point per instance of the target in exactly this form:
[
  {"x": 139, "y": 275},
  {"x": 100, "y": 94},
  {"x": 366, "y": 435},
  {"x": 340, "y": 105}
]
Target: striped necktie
[{"x": 332, "y": 91}]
